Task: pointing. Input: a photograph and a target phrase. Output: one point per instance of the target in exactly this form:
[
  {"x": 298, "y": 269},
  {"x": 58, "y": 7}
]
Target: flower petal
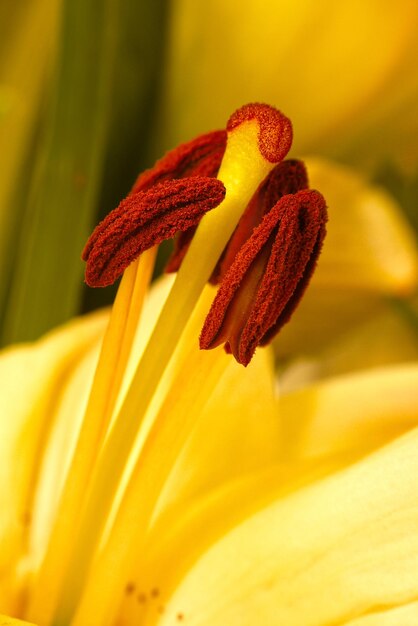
[
  {"x": 230, "y": 421},
  {"x": 370, "y": 252},
  {"x": 10, "y": 621},
  {"x": 350, "y": 413},
  {"x": 333, "y": 551},
  {"x": 368, "y": 83},
  {"x": 31, "y": 380}
]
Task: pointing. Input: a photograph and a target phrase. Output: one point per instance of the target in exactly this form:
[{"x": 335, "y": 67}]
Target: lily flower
[
  {"x": 302, "y": 511},
  {"x": 147, "y": 481},
  {"x": 127, "y": 420}
]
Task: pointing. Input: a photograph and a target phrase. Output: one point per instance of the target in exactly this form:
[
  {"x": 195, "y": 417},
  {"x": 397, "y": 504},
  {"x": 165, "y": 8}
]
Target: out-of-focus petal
[
  {"x": 369, "y": 252},
  {"x": 237, "y": 432},
  {"x": 390, "y": 337},
  {"x": 10, "y": 621},
  {"x": 352, "y": 534},
  {"x": 407, "y": 615},
  {"x": 350, "y": 413},
  {"x": 369, "y": 244},
  {"x": 32, "y": 378},
  {"x": 342, "y": 91}
]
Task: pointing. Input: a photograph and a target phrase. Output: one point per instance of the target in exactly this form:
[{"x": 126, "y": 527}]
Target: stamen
[
  {"x": 287, "y": 177},
  {"x": 107, "y": 382},
  {"x": 200, "y": 157},
  {"x": 268, "y": 276},
  {"x": 243, "y": 168},
  {"x": 145, "y": 219},
  {"x": 194, "y": 379}
]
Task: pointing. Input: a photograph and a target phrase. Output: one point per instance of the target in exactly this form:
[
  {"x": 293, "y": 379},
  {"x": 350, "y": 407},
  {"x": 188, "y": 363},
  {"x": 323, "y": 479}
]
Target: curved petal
[
  {"x": 366, "y": 84},
  {"x": 332, "y": 551},
  {"x": 369, "y": 252},
  {"x": 369, "y": 243},
  {"x": 237, "y": 432},
  {"x": 31, "y": 380},
  {"x": 350, "y": 413},
  {"x": 10, "y": 621},
  {"x": 406, "y": 614},
  {"x": 389, "y": 338}
]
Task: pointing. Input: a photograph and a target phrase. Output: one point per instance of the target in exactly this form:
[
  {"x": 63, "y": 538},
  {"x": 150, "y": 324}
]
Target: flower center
[{"x": 258, "y": 137}]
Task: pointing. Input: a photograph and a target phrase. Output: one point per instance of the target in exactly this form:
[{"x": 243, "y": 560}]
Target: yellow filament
[
  {"x": 106, "y": 384},
  {"x": 197, "y": 373},
  {"x": 243, "y": 168}
]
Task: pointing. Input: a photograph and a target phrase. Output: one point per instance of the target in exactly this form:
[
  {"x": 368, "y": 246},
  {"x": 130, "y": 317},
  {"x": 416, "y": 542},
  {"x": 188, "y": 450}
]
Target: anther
[
  {"x": 145, "y": 219},
  {"x": 201, "y": 156},
  {"x": 268, "y": 276},
  {"x": 287, "y": 177}
]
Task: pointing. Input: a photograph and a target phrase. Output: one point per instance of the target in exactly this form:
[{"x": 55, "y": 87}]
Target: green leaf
[{"x": 46, "y": 279}]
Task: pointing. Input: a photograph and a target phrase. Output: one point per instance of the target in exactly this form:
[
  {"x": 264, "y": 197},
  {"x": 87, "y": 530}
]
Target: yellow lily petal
[
  {"x": 330, "y": 552},
  {"x": 407, "y": 615},
  {"x": 352, "y": 62},
  {"x": 348, "y": 413},
  {"x": 69, "y": 412},
  {"x": 10, "y": 621},
  {"x": 369, "y": 252},
  {"x": 184, "y": 533},
  {"x": 31, "y": 380},
  {"x": 230, "y": 420},
  {"x": 369, "y": 244},
  {"x": 388, "y": 338},
  {"x": 222, "y": 422}
]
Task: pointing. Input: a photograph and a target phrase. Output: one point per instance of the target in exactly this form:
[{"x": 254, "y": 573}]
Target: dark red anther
[
  {"x": 200, "y": 157},
  {"x": 145, "y": 219},
  {"x": 268, "y": 276},
  {"x": 287, "y": 177}
]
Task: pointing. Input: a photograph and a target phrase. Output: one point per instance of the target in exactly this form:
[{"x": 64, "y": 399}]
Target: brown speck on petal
[
  {"x": 145, "y": 219},
  {"x": 200, "y": 157},
  {"x": 266, "y": 280},
  {"x": 129, "y": 589}
]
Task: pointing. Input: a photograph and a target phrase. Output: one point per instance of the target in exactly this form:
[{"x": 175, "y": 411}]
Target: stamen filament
[
  {"x": 243, "y": 168},
  {"x": 196, "y": 377},
  {"x": 100, "y": 407}
]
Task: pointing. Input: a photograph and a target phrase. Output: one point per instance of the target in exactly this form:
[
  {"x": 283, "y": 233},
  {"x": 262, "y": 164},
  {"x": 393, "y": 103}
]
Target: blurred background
[{"x": 93, "y": 92}]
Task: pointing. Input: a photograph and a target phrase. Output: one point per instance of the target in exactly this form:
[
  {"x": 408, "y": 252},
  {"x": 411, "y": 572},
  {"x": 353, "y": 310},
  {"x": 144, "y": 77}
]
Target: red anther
[
  {"x": 145, "y": 219},
  {"x": 286, "y": 177},
  {"x": 264, "y": 284},
  {"x": 200, "y": 157},
  {"x": 275, "y": 135}
]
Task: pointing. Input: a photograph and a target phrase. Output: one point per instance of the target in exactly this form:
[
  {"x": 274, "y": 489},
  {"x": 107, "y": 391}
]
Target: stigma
[{"x": 261, "y": 245}]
